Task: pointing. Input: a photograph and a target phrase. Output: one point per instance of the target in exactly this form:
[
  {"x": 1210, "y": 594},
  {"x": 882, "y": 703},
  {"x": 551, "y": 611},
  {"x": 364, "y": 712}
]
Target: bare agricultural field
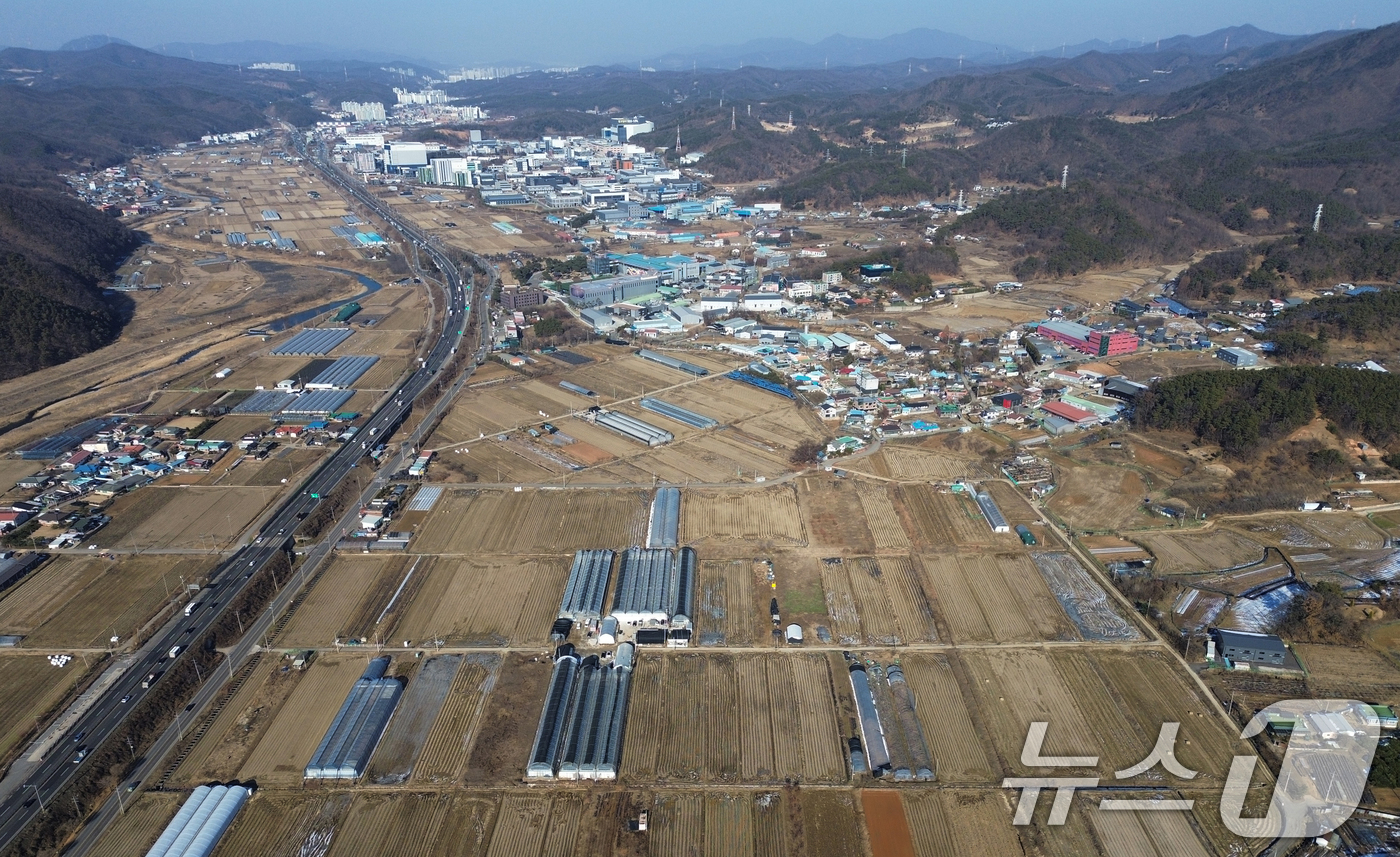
[
  {"x": 994, "y": 598},
  {"x": 537, "y": 825},
  {"x": 1361, "y": 666},
  {"x": 727, "y": 611},
  {"x": 281, "y": 755},
  {"x": 196, "y": 517},
  {"x": 941, "y": 519},
  {"x": 1191, "y": 553},
  {"x": 733, "y": 718},
  {"x": 285, "y": 824},
  {"x": 1014, "y": 506},
  {"x": 488, "y": 601},
  {"x": 503, "y": 736},
  {"x": 1349, "y": 532},
  {"x": 219, "y": 753},
  {"x": 331, "y": 607},
  {"x": 717, "y": 824},
  {"x": 886, "y": 826},
  {"x": 44, "y": 592},
  {"x": 762, "y": 516},
  {"x": 947, "y": 718},
  {"x": 877, "y": 601},
  {"x": 830, "y": 507},
  {"x": 902, "y": 461},
  {"x": 829, "y": 823},
  {"x": 135, "y": 830},
  {"x": 1103, "y": 703},
  {"x": 1146, "y": 833},
  {"x": 450, "y": 738},
  {"x": 120, "y": 602},
  {"x": 950, "y": 823},
  {"x": 533, "y": 521},
  {"x": 1101, "y": 497},
  {"x": 394, "y": 824},
  {"x": 32, "y": 687}
]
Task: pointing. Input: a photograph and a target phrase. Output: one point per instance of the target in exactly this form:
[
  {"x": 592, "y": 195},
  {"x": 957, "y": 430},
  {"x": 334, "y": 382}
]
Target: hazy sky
[{"x": 554, "y": 31}]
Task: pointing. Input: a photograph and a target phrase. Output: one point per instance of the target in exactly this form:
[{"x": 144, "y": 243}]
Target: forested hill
[
  {"x": 73, "y": 111},
  {"x": 1242, "y": 410},
  {"x": 54, "y": 253}
]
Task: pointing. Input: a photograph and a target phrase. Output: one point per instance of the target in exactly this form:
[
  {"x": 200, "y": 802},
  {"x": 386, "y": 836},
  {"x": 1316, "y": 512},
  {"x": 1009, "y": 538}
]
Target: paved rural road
[{"x": 49, "y": 777}]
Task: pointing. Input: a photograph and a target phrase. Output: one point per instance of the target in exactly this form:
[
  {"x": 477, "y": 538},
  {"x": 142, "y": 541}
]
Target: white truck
[{"x": 174, "y": 650}]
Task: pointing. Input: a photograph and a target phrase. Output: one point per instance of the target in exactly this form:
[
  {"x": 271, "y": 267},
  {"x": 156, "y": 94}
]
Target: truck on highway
[
  {"x": 193, "y": 605},
  {"x": 151, "y": 679},
  {"x": 174, "y": 650}
]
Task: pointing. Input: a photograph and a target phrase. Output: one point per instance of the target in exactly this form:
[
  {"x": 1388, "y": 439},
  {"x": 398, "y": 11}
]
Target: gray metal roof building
[
  {"x": 342, "y": 373},
  {"x": 344, "y": 752},
  {"x": 664, "y": 528},
  {"x": 995, "y": 519},
  {"x": 1250, "y": 648},
  {"x": 264, "y": 402},
  {"x": 634, "y": 428},
  {"x": 313, "y": 342},
  {"x": 317, "y": 403},
  {"x": 667, "y": 360},
  {"x": 586, "y": 586},
  {"x": 677, "y": 413}
]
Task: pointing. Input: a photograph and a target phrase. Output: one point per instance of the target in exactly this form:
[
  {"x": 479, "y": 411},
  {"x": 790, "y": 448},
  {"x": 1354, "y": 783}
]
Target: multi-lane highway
[{"x": 47, "y": 779}]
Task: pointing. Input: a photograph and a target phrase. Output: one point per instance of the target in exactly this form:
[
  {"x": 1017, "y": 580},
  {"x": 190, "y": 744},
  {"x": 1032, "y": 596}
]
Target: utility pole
[
  {"x": 1317, "y": 220},
  {"x": 1064, "y": 178}
]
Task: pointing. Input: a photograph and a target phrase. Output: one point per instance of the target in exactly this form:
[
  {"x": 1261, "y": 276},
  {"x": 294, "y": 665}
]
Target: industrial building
[
  {"x": 591, "y": 293},
  {"x": 1238, "y": 357},
  {"x": 586, "y": 586},
  {"x": 196, "y": 829},
  {"x": 663, "y": 531},
  {"x": 584, "y": 717},
  {"x": 877, "y": 754},
  {"x": 1080, "y": 337},
  {"x": 344, "y": 752},
  {"x": 666, "y": 360},
  {"x": 677, "y": 413},
  {"x": 312, "y": 343},
  {"x": 342, "y": 373},
  {"x": 655, "y": 586},
  {"x": 632, "y": 427},
  {"x": 1244, "y": 647},
  {"x": 995, "y": 519}
]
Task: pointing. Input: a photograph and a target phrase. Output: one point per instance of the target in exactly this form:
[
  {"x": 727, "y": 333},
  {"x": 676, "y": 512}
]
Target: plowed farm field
[
  {"x": 193, "y": 517},
  {"x": 487, "y": 601},
  {"x": 877, "y": 601},
  {"x": 343, "y": 602},
  {"x": 533, "y": 521},
  {"x": 32, "y": 687},
  {"x": 733, "y": 718},
  {"x": 280, "y": 757},
  {"x": 901, "y": 461},
  {"x": 994, "y": 598},
  {"x": 1108, "y": 704},
  {"x": 136, "y": 830},
  {"x": 951, "y": 823},
  {"x": 117, "y": 601},
  {"x": 450, "y": 738},
  {"x": 766, "y": 516},
  {"x": 1190, "y": 553},
  {"x": 942, "y": 519}
]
